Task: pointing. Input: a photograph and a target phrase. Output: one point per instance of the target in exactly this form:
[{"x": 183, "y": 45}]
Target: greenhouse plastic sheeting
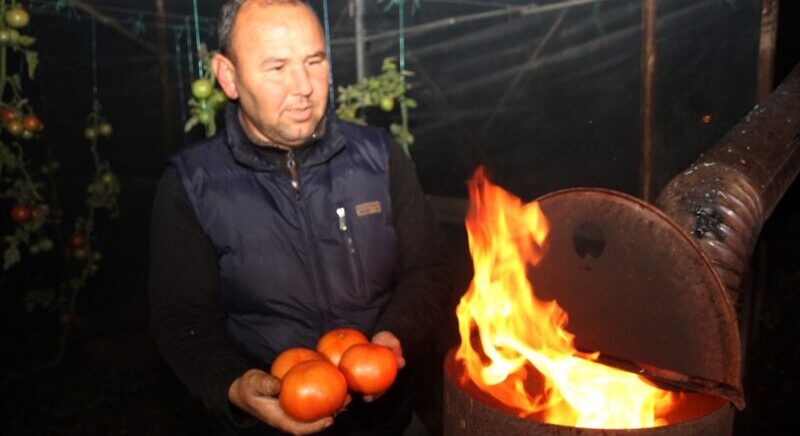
[{"x": 547, "y": 95}]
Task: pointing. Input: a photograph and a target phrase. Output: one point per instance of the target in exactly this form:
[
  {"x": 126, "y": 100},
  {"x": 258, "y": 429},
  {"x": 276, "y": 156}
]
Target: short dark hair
[{"x": 228, "y": 15}]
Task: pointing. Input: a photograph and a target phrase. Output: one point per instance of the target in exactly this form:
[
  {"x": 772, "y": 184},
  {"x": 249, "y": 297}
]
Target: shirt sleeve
[
  {"x": 185, "y": 318},
  {"x": 423, "y": 290}
]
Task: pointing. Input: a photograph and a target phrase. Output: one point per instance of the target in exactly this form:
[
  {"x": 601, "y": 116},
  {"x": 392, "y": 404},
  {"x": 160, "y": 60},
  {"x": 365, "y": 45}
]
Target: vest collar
[{"x": 267, "y": 158}]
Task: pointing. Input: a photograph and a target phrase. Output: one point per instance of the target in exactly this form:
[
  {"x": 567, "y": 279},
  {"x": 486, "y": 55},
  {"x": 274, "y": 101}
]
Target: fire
[{"x": 510, "y": 339}]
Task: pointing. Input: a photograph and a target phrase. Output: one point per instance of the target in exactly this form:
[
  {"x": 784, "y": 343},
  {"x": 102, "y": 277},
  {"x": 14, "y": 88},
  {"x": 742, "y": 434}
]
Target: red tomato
[
  {"x": 312, "y": 390},
  {"x": 77, "y": 240},
  {"x": 368, "y": 368},
  {"x": 337, "y": 341},
  {"x": 8, "y": 115},
  {"x": 32, "y": 123},
  {"x": 291, "y": 357},
  {"x": 21, "y": 213}
]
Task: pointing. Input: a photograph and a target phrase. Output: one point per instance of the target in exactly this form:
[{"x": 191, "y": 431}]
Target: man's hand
[
  {"x": 390, "y": 341},
  {"x": 256, "y": 393}
]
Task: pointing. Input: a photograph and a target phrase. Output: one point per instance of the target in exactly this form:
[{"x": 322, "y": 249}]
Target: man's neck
[
  {"x": 259, "y": 142},
  {"x": 318, "y": 133}
]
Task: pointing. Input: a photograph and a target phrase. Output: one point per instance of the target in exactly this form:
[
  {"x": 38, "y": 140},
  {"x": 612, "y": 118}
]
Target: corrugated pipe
[{"x": 724, "y": 198}]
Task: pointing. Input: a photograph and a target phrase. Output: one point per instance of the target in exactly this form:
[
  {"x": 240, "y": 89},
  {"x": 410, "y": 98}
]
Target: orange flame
[{"x": 520, "y": 338}]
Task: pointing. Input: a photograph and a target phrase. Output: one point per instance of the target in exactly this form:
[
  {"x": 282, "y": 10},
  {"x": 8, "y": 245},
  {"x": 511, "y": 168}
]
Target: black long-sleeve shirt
[{"x": 189, "y": 325}]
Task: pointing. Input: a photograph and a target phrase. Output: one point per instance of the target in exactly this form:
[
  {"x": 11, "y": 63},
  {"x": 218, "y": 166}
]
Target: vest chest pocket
[{"x": 370, "y": 245}]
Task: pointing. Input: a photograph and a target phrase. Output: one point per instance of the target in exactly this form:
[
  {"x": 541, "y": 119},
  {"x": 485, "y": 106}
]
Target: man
[{"x": 285, "y": 225}]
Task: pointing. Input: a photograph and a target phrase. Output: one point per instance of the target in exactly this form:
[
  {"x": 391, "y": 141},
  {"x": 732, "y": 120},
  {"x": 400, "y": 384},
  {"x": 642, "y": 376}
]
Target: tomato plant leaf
[
  {"x": 190, "y": 123},
  {"x": 32, "y": 59},
  {"x": 26, "y": 41},
  {"x": 11, "y": 256}
]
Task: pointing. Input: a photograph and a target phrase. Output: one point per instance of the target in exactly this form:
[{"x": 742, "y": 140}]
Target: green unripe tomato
[
  {"x": 108, "y": 178},
  {"x": 17, "y": 17},
  {"x": 387, "y": 103},
  {"x": 90, "y": 133},
  {"x": 105, "y": 129},
  {"x": 202, "y": 88},
  {"x": 5, "y": 37},
  {"x": 46, "y": 244},
  {"x": 204, "y": 117},
  {"x": 15, "y": 127},
  {"x": 14, "y": 35},
  {"x": 218, "y": 98}
]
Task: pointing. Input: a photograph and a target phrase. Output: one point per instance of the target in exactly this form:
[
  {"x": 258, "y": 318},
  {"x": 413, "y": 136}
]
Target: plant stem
[{"x": 3, "y": 78}]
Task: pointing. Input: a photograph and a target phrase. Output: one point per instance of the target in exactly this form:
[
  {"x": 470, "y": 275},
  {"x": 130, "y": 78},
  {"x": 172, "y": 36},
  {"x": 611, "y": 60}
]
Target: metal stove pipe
[{"x": 723, "y": 199}]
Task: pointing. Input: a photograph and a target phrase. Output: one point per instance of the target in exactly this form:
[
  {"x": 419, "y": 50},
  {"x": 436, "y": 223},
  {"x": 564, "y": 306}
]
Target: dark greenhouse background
[{"x": 546, "y": 96}]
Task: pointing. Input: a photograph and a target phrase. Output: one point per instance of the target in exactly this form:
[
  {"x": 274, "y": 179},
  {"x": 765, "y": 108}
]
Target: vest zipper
[
  {"x": 355, "y": 269},
  {"x": 291, "y": 166}
]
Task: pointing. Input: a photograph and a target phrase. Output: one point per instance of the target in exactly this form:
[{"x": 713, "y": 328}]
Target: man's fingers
[{"x": 272, "y": 386}]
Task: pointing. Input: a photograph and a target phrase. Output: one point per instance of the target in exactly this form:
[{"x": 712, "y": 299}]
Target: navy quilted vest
[{"x": 292, "y": 267}]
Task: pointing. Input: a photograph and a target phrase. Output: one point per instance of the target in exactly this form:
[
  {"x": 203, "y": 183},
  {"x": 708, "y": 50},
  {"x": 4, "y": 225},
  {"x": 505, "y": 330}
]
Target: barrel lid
[{"x": 640, "y": 291}]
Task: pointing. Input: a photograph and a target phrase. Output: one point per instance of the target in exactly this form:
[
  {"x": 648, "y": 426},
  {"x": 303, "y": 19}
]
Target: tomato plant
[
  {"x": 21, "y": 213},
  {"x": 206, "y": 99},
  {"x": 380, "y": 90},
  {"x": 335, "y": 342},
  {"x": 312, "y": 390},
  {"x": 368, "y": 368},
  {"x": 288, "y": 359}
]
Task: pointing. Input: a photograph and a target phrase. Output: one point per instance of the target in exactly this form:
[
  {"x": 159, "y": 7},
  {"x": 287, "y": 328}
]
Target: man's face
[{"x": 280, "y": 72}]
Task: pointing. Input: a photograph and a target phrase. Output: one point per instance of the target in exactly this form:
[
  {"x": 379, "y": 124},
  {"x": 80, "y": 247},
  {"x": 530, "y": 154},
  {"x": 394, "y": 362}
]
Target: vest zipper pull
[
  {"x": 291, "y": 165},
  {"x": 342, "y": 220}
]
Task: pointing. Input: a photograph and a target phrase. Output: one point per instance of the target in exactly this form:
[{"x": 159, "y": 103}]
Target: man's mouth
[{"x": 300, "y": 113}]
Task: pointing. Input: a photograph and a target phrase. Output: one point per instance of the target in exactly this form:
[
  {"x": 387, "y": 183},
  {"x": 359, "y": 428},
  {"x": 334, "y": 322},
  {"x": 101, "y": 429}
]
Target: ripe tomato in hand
[
  {"x": 21, "y": 213},
  {"x": 337, "y": 341},
  {"x": 312, "y": 390},
  {"x": 288, "y": 359},
  {"x": 368, "y": 368}
]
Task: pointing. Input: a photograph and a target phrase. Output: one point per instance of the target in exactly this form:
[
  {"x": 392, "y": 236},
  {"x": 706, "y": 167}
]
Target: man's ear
[{"x": 225, "y": 72}]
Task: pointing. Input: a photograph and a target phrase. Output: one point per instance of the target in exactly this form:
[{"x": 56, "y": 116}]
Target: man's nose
[{"x": 301, "y": 85}]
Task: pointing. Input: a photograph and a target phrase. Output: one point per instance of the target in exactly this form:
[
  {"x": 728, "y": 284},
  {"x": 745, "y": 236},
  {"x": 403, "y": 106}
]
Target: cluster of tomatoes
[
  {"x": 25, "y": 127},
  {"x": 102, "y": 129},
  {"x": 15, "y": 18},
  {"x": 211, "y": 99},
  {"x": 314, "y": 384}
]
